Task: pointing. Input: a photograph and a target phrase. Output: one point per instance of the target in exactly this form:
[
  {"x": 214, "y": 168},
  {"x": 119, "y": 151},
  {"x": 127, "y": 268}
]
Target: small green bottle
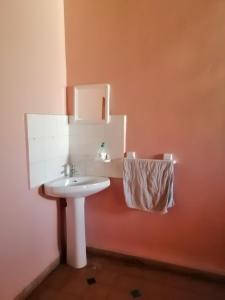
[{"x": 101, "y": 154}]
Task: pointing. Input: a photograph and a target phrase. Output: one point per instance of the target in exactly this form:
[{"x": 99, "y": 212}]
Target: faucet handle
[
  {"x": 73, "y": 170},
  {"x": 66, "y": 170},
  {"x": 69, "y": 170}
]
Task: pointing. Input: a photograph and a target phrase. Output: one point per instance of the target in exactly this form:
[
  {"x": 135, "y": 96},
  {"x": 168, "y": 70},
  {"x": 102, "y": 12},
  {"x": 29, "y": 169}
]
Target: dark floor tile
[
  {"x": 91, "y": 280},
  {"x": 135, "y": 294}
]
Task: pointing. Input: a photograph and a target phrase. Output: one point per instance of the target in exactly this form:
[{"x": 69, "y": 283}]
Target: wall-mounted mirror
[{"x": 91, "y": 103}]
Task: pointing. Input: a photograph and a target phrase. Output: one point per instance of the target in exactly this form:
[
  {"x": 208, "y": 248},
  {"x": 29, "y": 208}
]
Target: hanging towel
[{"x": 148, "y": 184}]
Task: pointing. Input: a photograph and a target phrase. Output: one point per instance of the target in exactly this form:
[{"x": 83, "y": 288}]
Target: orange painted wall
[
  {"x": 32, "y": 80},
  {"x": 166, "y": 64}
]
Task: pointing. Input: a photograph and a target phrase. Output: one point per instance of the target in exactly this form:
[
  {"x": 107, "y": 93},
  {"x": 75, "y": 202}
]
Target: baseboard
[
  {"x": 37, "y": 281},
  {"x": 163, "y": 266}
]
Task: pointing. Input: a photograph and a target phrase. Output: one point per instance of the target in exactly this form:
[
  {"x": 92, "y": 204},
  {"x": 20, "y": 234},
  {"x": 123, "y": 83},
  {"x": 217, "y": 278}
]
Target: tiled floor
[{"x": 113, "y": 279}]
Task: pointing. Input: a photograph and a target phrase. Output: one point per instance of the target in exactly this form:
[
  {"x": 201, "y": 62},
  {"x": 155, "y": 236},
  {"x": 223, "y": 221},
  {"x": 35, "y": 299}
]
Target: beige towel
[{"x": 148, "y": 184}]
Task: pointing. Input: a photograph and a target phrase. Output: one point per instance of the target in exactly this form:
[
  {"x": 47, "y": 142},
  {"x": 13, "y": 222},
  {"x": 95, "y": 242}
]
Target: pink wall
[
  {"x": 165, "y": 62},
  {"x": 32, "y": 79}
]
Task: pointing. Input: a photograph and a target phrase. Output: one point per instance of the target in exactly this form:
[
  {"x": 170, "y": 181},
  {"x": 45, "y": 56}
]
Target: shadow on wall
[
  {"x": 61, "y": 221},
  {"x": 115, "y": 203}
]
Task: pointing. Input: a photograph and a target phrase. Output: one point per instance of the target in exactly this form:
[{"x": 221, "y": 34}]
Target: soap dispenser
[{"x": 101, "y": 154}]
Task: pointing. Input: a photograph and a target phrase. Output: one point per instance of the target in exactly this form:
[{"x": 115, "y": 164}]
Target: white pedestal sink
[{"x": 75, "y": 189}]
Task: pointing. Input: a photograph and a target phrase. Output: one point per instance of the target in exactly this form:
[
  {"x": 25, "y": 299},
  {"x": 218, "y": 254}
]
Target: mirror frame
[{"x": 76, "y": 102}]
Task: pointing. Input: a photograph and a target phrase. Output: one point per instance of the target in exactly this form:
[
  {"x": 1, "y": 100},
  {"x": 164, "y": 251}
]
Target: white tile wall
[
  {"x": 115, "y": 136},
  {"x": 85, "y": 140},
  {"x": 37, "y": 173},
  {"x": 51, "y": 141},
  {"x": 48, "y": 146}
]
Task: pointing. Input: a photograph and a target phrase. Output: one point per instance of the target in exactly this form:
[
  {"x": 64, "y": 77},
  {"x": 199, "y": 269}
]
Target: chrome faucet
[
  {"x": 69, "y": 170},
  {"x": 72, "y": 170}
]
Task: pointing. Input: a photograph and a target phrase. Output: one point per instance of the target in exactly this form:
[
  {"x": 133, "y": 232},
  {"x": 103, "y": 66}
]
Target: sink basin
[
  {"x": 78, "y": 186},
  {"x": 75, "y": 189}
]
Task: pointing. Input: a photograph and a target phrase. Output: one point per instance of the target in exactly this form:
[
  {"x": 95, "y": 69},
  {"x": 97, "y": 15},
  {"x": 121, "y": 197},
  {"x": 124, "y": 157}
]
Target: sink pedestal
[
  {"x": 75, "y": 233},
  {"x": 75, "y": 189}
]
